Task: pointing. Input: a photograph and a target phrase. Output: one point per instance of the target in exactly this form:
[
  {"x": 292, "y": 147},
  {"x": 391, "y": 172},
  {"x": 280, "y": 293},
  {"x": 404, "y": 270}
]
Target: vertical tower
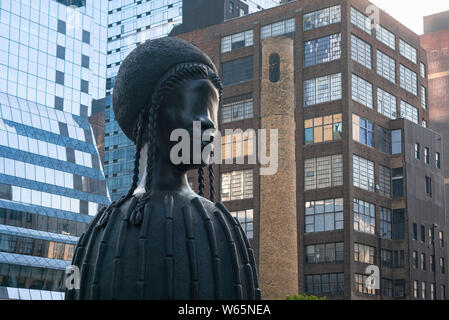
[
  {"x": 52, "y": 68},
  {"x": 278, "y": 263}
]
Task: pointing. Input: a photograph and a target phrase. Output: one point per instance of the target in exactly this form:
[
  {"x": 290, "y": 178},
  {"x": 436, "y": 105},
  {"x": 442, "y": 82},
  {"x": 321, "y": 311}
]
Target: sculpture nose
[{"x": 206, "y": 124}]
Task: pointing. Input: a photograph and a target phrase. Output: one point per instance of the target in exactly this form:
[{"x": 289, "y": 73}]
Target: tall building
[
  {"x": 52, "y": 69},
  {"x": 360, "y": 176},
  {"x": 436, "y": 42},
  {"x": 131, "y": 23}
]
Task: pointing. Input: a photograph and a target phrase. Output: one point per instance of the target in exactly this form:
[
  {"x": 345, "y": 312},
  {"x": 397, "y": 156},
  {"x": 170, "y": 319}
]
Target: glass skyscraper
[
  {"x": 52, "y": 69},
  {"x": 129, "y": 24}
]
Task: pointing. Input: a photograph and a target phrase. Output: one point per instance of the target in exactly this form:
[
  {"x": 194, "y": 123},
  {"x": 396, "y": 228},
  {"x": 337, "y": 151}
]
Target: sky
[{"x": 411, "y": 12}]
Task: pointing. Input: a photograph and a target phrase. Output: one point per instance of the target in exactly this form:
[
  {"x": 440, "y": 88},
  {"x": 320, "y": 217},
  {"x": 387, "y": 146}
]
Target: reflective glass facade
[
  {"x": 52, "y": 67},
  {"x": 129, "y": 24}
]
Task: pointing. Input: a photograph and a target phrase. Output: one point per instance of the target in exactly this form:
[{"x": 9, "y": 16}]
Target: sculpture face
[{"x": 196, "y": 100}]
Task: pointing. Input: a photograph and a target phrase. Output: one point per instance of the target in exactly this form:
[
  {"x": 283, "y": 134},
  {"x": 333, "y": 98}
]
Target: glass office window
[
  {"x": 396, "y": 141},
  {"x": 323, "y": 172},
  {"x": 360, "y": 284},
  {"x": 384, "y": 140},
  {"x": 321, "y": 284},
  {"x": 322, "y": 89},
  {"x": 278, "y": 28},
  {"x": 238, "y": 70},
  {"x": 362, "y": 91},
  {"x": 386, "y": 37},
  {"x": 363, "y": 173},
  {"x": 386, "y": 66},
  {"x": 325, "y": 252},
  {"x": 407, "y": 51},
  {"x": 386, "y": 258},
  {"x": 384, "y": 181},
  {"x": 237, "y": 111},
  {"x": 386, "y": 104},
  {"x": 237, "y": 185},
  {"x": 397, "y": 179},
  {"x": 409, "y": 112},
  {"x": 321, "y": 18},
  {"x": 364, "y": 216},
  {"x": 323, "y": 215},
  {"x": 361, "y": 51},
  {"x": 364, "y": 253},
  {"x": 409, "y": 80},
  {"x": 362, "y": 130},
  {"x": 236, "y": 41},
  {"x": 323, "y": 129},
  {"x": 360, "y": 20},
  {"x": 322, "y": 50}
]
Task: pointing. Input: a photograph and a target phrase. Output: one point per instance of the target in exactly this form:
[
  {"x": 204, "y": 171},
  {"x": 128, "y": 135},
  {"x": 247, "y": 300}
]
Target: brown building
[
  {"x": 359, "y": 179},
  {"x": 435, "y": 41}
]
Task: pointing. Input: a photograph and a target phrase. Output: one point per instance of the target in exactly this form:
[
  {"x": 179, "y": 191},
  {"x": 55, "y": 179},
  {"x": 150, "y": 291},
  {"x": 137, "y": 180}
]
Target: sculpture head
[{"x": 163, "y": 85}]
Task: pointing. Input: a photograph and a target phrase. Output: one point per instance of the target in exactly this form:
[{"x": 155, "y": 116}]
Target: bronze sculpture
[{"x": 161, "y": 240}]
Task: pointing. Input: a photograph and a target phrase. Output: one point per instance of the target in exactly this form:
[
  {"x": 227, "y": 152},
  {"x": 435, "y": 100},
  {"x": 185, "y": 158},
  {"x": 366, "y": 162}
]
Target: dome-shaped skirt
[{"x": 177, "y": 248}]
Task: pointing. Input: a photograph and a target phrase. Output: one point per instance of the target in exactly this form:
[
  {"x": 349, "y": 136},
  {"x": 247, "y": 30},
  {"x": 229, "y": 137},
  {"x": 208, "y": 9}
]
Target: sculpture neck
[{"x": 166, "y": 177}]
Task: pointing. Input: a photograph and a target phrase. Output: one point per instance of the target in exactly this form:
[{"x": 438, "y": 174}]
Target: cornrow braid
[
  {"x": 174, "y": 78},
  {"x": 201, "y": 181},
  {"x": 211, "y": 178}
]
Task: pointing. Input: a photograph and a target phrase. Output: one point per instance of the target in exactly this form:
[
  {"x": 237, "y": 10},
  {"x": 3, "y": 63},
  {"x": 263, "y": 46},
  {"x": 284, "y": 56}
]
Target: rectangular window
[
  {"x": 86, "y": 37},
  {"x": 237, "y": 111},
  {"x": 399, "y": 258},
  {"x": 238, "y": 70},
  {"x": 324, "y": 253},
  {"x": 320, "y": 284},
  {"x": 324, "y": 215},
  {"x": 423, "y": 234},
  {"x": 361, "y": 51},
  {"x": 386, "y": 66},
  {"x": 321, "y": 18},
  {"x": 398, "y": 224},
  {"x": 245, "y": 218},
  {"x": 84, "y": 86},
  {"x": 432, "y": 292},
  {"x": 322, "y": 89},
  {"x": 415, "y": 289},
  {"x": 423, "y": 290},
  {"x": 278, "y": 28},
  {"x": 417, "y": 151},
  {"x": 385, "y": 223},
  {"x": 237, "y": 185},
  {"x": 437, "y": 160},
  {"x": 432, "y": 263},
  {"x": 324, "y": 172},
  {"x": 415, "y": 231},
  {"x": 429, "y": 186},
  {"x": 362, "y": 130},
  {"x": 409, "y": 112},
  {"x": 364, "y": 217},
  {"x": 84, "y": 61},
  {"x": 396, "y": 141},
  {"x": 364, "y": 254},
  {"x": 441, "y": 234},
  {"x": 322, "y": 50},
  {"x": 237, "y": 145},
  {"x": 362, "y": 91},
  {"x": 61, "y": 26},
  {"x": 424, "y": 123},
  {"x": 415, "y": 259},
  {"x": 386, "y": 104},
  {"x": 423, "y": 261},
  {"x": 442, "y": 266},
  {"x": 409, "y": 80},
  {"x": 422, "y": 70},
  {"x": 387, "y": 258},
  {"x": 384, "y": 140},
  {"x": 407, "y": 51},
  {"x": 363, "y": 173},
  {"x": 387, "y": 287},
  {"x": 360, "y": 284},
  {"x": 60, "y": 52},
  {"x": 426, "y": 155},
  {"x": 386, "y": 37},
  {"x": 323, "y": 129},
  {"x": 423, "y": 97},
  {"x": 360, "y": 20},
  {"x": 384, "y": 181},
  {"x": 59, "y": 77},
  {"x": 236, "y": 41}
]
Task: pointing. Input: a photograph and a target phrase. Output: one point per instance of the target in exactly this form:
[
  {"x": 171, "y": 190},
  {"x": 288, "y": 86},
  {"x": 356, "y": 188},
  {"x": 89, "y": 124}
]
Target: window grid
[
  {"x": 321, "y": 18},
  {"x": 236, "y": 41},
  {"x": 322, "y": 50},
  {"x": 324, "y": 172},
  {"x": 407, "y": 51},
  {"x": 409, "y": 80},
  {"x": 237, "y": 185},
  {"x": 323, "y": 129},
  {"x": 360, "y": 284},
  {"x": 362, "y": 130},
  {"x": 324, "y": 283},
  {"x": 423, "y": 97},
  {"x": 363, "y": 171},
  {"x": 409, "y": 112},
  {"x": 239, "y": 144},
  {"x": 325, "y": 253},
  {"x": 323, "y": 89},
  {"x": 362, "y": 91},
  {"x": 386, "y": 66},
  {"x": 361, "y": 51},
  {"x": 384, "y": 181},
  {"x": 246, "y": 219},
  {"x": 386, "y": 37},
  {"x": 364, "y": 253},
  {"x": 324, "y": 215},
  {"x": 422, "y": 70},
  {"x": 364, "y": 217},
  {"x": 237, "y": 111},
  {"x": 386, "y": 104},
  {"x": 360, "y": 20},
  {"x": 278, "y": 28},
  {"x": 385, "y": 223}
]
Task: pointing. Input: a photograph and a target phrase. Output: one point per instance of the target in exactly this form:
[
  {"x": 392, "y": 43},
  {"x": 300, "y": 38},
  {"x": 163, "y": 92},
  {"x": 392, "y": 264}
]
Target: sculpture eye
[{"x": 275, "y": 66}]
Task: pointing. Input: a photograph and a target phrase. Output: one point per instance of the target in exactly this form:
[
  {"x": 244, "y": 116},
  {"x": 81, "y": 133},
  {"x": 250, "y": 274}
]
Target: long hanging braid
[{"x": 175, "y": 77}]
